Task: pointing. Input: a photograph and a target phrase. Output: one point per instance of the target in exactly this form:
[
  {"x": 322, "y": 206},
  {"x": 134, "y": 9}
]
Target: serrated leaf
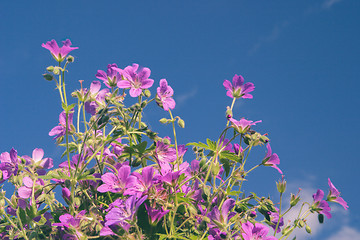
[
  {"x": 200, "y": 144},
  {"x": 211, "y": 144}
]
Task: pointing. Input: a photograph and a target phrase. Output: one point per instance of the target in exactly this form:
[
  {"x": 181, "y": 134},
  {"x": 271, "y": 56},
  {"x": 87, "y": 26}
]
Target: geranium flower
[
  {"x": 26, "y": 190},
  {"x": 124, "y": 212},
  {"x": 319, "y": 205},
  {"x": 164, "y": 153},
  {"x": 258, "y": 232},
  {"x": 243, "y": 125},
  {"x": 222, "y": 217},
  {"x": 9, "y": 164},
  {"x": 271, "y": 159},
  {"x": 238, "y": 89},
  {"x": 111, "y": 77},
  {"x": 37, "y": 159},
  {"x": 136, "y": 79},
  {"x": 334, "y": 195},
  {"x": 97, "y": 97},
  {"x": 115, "y": 183},
  {"x": 155, "y": 215},
  {"x": 59, "y": 53},
  {"x": 138, "y": 184},
  {"x": 67, "y": 222},
  {"x": 164, "y": 96},
  {"x": 60, "y": 130}
]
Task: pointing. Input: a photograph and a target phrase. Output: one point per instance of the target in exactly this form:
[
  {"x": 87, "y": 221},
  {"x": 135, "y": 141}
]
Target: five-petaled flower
[
  {"x": 136, "y": 79},
  {"x": 271, "y": 159},
  {"x": 334, "y": 196},
  {"x": 164, "y": 96},
  {"x": 243, "y": 125},
  {"x": 60, "y": 130},
  {"x": 238, "y": 89},
  {"x": 320, "y": 205},
  {"x": 59, "y": 53}
]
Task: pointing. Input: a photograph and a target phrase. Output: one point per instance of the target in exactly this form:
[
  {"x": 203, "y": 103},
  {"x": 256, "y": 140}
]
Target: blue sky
[{"x": 302, "y": 56}]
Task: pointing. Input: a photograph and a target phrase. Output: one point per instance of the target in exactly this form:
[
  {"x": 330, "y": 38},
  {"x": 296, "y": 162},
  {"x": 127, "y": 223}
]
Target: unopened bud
[
  {"x": 301, "y": 223},
  {"x": 147, "y": 93},
  {"x": 70, "y": 59},
  {"x": 294, "y": 199},
  {"x": 56, "y": 70},
  {"x": 308, "y": 229},
  {"x": 229, "y": 113},
  {"x": 281, "y": 185},
  {"x": 181, "y": 123},
  {"x": 50, "y": 68},
  {"x": 163, "y": 120},
  {"x": 48, "y": 77}
]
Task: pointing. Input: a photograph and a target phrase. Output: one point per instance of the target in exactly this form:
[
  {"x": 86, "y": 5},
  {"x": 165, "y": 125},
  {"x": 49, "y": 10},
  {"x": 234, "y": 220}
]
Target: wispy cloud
[
  {"x": 329, "y": 3},
  {"x": 272, "y": 36},
  {"x": 346, "y": 233},
  {"x": 182, "y": 98}
]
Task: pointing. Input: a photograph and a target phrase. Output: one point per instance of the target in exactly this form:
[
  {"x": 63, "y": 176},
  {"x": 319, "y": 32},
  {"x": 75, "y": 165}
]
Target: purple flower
[
  {"x": 155, "y": 215},
  {"x": 124, "y": 213},
  {"x": 111, "y": 77},
  {"x": 59, "y": 53},
  {"x": 9, "y": 164},
  {"x": 271, "y": 159},
  {"x": 37, "y": 159},
  {"x": 238, "y": 89},
  {"x": 319, "y": 205},
  {"x": 243, "y": 125},
  {"x": 115, "y": 183},
  {"x": 67, "y": 221},
  {"x": 221, "y": 217},
  {"x": 258, "y": 232},
  {"x": 164, "y": 96},
  {"x": 163, "y": 153},
  {"x": 60, "y": 130},
  {"x": 334, "y": 195},
  {"x": 97, "y": 96},
  {"x": 138, "y": 184},
  {"x": 274, "y": 218},
  {"x": 136, "y": 79}
]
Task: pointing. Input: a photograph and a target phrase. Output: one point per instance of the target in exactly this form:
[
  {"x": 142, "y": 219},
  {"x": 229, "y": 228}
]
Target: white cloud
[
  {"x": 329, "y": 3},
  {"x": 346, "y": 233},
  {"x": 272, "y": 36},
  {"x": 182, "y": 98}
]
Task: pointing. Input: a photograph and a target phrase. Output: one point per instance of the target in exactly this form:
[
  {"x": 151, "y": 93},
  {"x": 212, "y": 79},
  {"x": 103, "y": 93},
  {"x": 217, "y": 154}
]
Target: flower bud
[
  {"x": 301, "y": 223},
  {"x": 147, "y": 93},
  {"x": 181, "y": 123},
  {"x": 50, "y": 68},
  {"x": 70, "y": 59},
  {"x": 308, "y": 229},
  {"x": 163, "y": 120},
  {"x": 281, "y": 185},
  {"x": 56, "y": 70},
  {"x": 294, "y": 199},
  {"x": 48, "y": 77},
  {"x": 228, "y": 113},
  {"x": 166, "y": 141},
  {"x": 321, "y": 218}
]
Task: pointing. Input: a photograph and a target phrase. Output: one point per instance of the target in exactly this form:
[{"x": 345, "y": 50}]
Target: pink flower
[
  {"x": 164, "y": 96},
  {"x": 334, "y": 196},
  {"x": 59, "y": 53},
  {"x": 238, "y": 89},
  {"x": 136, "y": 79},
  {"x": 258, "y": 232},
  {"x": 319, "y": 205},
  {"x": 243, "y": 125},
  {"x": 272, "y": 159},
  {"x": 37, "y": 159}
]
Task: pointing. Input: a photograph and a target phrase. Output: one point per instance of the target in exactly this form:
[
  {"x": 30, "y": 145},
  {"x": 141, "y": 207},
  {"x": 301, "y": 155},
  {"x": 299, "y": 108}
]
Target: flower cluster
[{"x": 122, "y": 180}]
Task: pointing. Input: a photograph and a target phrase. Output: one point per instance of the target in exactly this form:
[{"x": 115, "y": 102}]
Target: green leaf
[
  {"x": 211, "y": 144},
  {"x": 141, "y": 146},
  {"x": 226, "y": 165},
  {"x": 200, "y": 144},
  {"x": 22, "y": 215}
]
